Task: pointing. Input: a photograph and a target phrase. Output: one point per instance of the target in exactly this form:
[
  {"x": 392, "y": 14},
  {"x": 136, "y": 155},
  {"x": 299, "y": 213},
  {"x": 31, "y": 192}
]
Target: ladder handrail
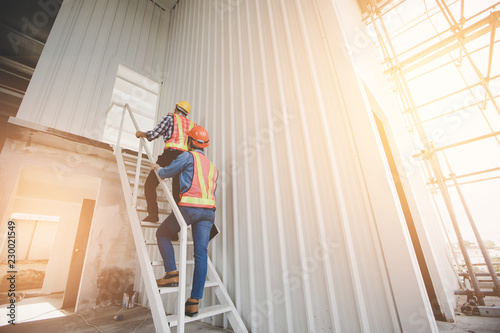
[{"x": 180, "y": 221}]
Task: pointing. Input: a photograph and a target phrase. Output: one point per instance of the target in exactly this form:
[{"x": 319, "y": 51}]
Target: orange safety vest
[
  {"x": 202, "y": 191},
  {"x": 178, "y": 140}
]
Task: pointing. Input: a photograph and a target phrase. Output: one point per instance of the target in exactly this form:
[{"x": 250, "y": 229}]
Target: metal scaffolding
[{"x": 455, "y": 42}]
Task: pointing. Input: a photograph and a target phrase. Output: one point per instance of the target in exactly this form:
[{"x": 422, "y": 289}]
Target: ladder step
[
  {"x": 141, "y": 184},
  {"x": 160, "y": 263},
  {"x": 155, "y": 225},
  {"x": 202, "y": 314},
  {"x": 133, "y": 157},
  {"x": 132, "y": 183},
  {"x": 150, "y": 224},
  {"x": 158, "y": 198},
  {"x": 169, "y": 290},
  {"x": 133, "y": 165},
  {"x": 142, "y": 174},
  {"x": 161, "y": 211},
  {"x": 153, "y": 242}
]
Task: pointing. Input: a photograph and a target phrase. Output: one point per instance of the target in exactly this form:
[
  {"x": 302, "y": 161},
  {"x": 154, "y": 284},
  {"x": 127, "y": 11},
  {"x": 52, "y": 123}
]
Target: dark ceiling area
[{"x": 24, "y": 28}]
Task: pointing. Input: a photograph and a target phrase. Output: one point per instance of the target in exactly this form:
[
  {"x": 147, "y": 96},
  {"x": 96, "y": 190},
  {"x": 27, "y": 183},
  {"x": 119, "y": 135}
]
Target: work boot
[
  {"x": 192, "y": 307},
  {"x": 170, "y": 279},
  {"x": 151, "y": 218}
]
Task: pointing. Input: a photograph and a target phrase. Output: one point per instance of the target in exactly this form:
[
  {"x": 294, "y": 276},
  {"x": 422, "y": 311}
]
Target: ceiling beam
[{"x": 16, "y": 65}]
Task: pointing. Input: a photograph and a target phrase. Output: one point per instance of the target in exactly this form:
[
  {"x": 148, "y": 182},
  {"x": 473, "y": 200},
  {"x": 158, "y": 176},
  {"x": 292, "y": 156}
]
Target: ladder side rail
[
  {"x": 234, "y": 318},
  {"x": 137, "y": 175},
  {"x": 159, "y": 318},
  {"x": 183, "y": 232}
]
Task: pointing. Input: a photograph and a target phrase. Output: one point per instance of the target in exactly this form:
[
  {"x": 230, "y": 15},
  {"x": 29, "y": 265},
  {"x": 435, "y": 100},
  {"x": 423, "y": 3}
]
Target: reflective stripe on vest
[
  {"x": 178, "y": 140},
  {"x": 202, "y": 191}
]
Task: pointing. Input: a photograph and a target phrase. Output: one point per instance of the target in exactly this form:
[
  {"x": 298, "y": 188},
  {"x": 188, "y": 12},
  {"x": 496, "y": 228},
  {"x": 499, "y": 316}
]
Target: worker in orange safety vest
[
  {"x": 198, "y": 182},
  {"x": 173, "y": 127}
]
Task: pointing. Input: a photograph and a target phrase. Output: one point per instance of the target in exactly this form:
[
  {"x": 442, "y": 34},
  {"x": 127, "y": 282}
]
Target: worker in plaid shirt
[{"x": 173, "y": 127}]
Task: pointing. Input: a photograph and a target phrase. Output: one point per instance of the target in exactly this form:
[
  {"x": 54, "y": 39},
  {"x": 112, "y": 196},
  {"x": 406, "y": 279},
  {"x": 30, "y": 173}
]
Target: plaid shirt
[{"x": 165, "y": 127}]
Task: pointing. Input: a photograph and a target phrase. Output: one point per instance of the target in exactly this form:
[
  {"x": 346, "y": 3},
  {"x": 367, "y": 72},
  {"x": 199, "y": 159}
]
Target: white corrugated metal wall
[
  {"x": 73, "y": 82},
  {"x": 300, "y": 249}
]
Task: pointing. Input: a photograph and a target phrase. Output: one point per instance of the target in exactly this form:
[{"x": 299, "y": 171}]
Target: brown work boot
[
  {"x": 170, "y": 279},
  {"x": 192, "y": 307}
]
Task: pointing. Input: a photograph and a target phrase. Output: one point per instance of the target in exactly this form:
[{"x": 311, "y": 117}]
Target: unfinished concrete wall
[
  {"x": 72, "y": 85},
  {"x": 110, "y": 258},
  {"x": 313, "y": 235}
]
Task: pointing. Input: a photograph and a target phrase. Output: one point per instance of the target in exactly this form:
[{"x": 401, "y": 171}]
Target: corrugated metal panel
[
  {"x": 299, "y": 250},
  {"x": 72, "y": 85}
]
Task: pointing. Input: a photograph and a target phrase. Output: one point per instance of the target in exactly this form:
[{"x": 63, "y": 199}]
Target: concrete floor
[
  {"x": 31, "y": 307},
  {"x": 138, "y": 320},
  {"x": 472, "y": 324}
]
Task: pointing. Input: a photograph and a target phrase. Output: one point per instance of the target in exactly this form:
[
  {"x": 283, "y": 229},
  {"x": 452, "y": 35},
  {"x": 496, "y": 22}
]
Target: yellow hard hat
[{"x": 184, "y": 107}]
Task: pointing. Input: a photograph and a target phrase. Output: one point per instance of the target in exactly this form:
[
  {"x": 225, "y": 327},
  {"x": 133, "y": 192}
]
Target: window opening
[{"x": 141, "y": 94}]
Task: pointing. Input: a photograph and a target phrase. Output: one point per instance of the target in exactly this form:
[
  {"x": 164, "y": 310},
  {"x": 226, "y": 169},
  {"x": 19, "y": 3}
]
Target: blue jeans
[{"x": 201, "y": 220}]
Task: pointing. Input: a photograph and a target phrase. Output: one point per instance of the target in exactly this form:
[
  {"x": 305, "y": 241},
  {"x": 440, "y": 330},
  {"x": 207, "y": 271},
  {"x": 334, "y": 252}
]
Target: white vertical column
[
  {"x": 190, "y": 56},
  {"x": 274, "y": 164},
  {"x": 247, "y": 185},
  {"x": 216, "y": 109},
  {"x": 232, "y": 163},
  {"x": 263, "y": 209},
  {"x": 223, "y": 144}
]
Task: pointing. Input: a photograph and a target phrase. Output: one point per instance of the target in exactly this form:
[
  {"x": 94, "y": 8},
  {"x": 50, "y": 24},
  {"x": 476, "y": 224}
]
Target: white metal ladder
[{"x": 129, "y": 166}]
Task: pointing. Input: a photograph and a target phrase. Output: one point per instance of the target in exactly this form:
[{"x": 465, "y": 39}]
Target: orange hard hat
[{"x": 199, "y": 136}]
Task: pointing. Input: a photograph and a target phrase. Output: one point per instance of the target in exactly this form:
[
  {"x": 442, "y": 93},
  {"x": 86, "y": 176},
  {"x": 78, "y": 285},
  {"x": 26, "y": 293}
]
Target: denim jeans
[{"x": 201, "y": 221}]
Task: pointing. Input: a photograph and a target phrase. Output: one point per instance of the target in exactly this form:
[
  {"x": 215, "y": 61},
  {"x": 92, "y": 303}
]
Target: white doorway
[{"x": 46, "y": 208}]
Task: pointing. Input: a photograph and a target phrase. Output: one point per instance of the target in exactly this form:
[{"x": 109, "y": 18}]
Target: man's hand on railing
[
  {"x": 140, "y": 134},
  {"x": 154, "y": 166}
]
